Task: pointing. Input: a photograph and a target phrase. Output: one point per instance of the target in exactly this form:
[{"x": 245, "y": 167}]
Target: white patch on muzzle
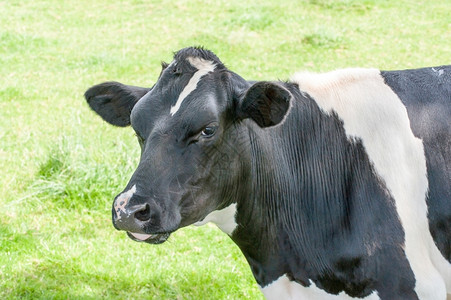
[{"x": 122, "y": 200}]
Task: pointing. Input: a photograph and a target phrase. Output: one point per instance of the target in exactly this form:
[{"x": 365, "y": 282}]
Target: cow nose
[
  {"x": 142, "y": 212},
  {"x": 133, "y": 218}
]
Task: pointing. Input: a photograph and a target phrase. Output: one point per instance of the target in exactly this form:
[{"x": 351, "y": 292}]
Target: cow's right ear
[{"x": 114, "y": 101}]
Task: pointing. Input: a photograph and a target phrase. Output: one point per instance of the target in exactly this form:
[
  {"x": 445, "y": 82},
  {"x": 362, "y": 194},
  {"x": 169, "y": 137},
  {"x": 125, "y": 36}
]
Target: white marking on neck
[
  {"x": 203, "y": 67},
  {"x": 284, "y": 288},
  {"x": 371, "y": 111},
  {"x": 224, "y": 219},
  {"x": 122, "y": 201}
]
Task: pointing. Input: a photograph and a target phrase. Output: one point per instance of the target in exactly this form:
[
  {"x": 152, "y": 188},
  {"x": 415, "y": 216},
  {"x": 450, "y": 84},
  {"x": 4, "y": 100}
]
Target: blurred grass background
[{"x": 62, "y": 165}]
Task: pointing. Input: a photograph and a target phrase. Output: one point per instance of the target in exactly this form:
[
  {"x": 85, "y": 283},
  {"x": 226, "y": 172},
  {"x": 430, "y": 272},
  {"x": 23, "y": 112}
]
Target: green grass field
[{"x": 62, "y": 165}]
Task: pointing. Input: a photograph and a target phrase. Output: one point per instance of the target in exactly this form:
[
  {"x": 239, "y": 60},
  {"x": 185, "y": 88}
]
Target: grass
[{"x": 62, "y": 166}]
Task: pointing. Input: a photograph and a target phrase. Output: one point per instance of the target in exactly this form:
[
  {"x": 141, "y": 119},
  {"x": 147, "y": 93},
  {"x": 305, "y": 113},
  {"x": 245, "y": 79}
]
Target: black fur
[{"x": 200, "y": 52}]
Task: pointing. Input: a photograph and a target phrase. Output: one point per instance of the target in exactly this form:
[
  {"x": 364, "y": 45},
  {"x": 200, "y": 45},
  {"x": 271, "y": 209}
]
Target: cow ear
[
  {"x": 114, "y": 101},
  {"x": 266, "y": 103}
]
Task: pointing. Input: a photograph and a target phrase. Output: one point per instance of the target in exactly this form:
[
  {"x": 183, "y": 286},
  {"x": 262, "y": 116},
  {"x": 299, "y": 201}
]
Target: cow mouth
[{"x": 157, "y": 238}]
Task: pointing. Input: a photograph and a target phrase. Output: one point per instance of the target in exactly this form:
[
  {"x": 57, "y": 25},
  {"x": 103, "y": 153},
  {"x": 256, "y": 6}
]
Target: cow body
[{"x": 343, "y": 193}]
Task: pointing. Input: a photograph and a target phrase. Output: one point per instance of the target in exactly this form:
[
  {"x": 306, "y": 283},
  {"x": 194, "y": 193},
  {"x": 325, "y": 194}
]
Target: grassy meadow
[{"x": 61, "y": 165}]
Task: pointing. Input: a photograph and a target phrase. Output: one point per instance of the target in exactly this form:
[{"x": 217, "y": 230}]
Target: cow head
[{"x": 192, "y": 129}]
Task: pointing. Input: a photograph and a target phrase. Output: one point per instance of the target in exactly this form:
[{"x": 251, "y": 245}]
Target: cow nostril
[{"x": 144, "y": 213}]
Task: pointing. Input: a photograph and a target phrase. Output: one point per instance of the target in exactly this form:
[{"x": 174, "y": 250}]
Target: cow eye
[{"x": 210, "y": 130}]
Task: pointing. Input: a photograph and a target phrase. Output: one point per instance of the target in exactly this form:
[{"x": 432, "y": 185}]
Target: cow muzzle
[{"x": 137, "y": 219}]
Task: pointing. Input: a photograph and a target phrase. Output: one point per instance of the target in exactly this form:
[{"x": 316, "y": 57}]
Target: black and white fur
[{"x": 334, "y": 186}]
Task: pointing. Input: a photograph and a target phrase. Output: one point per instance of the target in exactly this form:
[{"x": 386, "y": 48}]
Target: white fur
[
  {"x": 224, "y": 219},
  {"x": 203, "y": 67},
  {"x": 122, "y": 200},
  {"x": 373, "y": 113},
  {"x": 285, "y": 289}
]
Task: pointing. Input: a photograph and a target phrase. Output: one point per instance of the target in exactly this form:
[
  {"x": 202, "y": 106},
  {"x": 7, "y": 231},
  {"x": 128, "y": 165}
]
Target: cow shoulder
[
  {"x": 374, "y": 113},
  {"x": 426, "y": 93}
]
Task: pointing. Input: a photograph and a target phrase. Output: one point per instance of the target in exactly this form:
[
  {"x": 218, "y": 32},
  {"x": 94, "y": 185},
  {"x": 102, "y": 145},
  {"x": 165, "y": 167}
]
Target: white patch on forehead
[
  {"x": 373, "y": 113},
  {"x": 122, "y": 201},
  {"x": 224, "y": 219},
  {"x": 284, "y": 288},
  {"x": 203, "y": 67}
]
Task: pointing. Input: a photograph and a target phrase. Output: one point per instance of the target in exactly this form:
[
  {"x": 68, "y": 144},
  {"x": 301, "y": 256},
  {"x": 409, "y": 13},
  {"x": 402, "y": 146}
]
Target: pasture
[{"x": 62, "y": 165}]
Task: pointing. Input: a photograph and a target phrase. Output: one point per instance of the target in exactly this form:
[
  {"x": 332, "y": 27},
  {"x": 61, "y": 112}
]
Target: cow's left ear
[
  {"x": 114, "y": 101},
  {"x": 266, "y": 103}
]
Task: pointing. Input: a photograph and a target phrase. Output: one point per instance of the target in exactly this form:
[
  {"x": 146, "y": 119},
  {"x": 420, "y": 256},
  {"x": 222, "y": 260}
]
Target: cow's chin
[{"x": 149, "y": 238}]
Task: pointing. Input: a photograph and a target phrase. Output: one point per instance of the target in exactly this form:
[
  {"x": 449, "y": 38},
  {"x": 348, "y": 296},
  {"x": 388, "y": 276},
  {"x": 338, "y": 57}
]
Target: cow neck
[
  {"x": 307, "y": 184},
  {"x": 266, "y": 187}
]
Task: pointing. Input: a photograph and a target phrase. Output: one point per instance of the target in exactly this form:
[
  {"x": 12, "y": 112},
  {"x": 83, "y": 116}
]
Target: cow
[{"x": 333, "y": 185}]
